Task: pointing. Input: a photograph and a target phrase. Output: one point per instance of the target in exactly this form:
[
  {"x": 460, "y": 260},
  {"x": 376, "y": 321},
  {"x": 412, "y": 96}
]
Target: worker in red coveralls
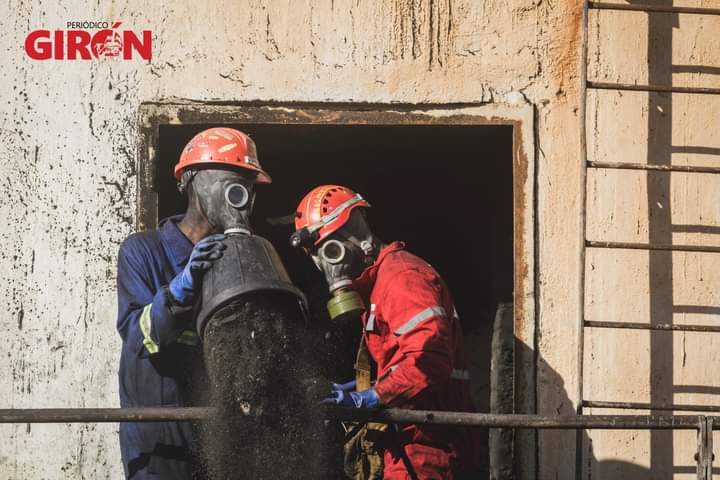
[{"x": 410, "y": 328}]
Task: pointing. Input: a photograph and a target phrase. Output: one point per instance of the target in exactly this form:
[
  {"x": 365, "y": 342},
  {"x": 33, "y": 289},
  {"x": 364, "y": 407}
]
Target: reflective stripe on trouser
[{"x": 420, "y": 317}]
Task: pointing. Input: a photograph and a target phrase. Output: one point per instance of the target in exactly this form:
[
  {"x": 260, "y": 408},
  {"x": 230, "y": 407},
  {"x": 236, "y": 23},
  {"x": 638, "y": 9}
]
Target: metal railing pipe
[
  {"x": 654, "y": 326},
  {"x": 160, "y": 414},
  {"x": 648, "y": 406},
  {"x": 105, "y": 415},
  {"x": 653, "y": 167},
  {"x": 653, "y": 8},
  {"x": 646, "y": 246},
  {"x": 652, "y": 88}
]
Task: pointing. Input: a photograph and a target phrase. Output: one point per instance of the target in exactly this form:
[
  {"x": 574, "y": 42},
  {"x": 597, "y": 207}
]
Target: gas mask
[
  {"x": 341, "y": 260},
  {"x": 226, "y": 197},
  {"x": 343, "y": 255}
]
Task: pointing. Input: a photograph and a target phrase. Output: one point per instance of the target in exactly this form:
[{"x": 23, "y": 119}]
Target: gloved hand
[
  {"x": 183, "y": 288},
  {"x": 344, "y": 395}
]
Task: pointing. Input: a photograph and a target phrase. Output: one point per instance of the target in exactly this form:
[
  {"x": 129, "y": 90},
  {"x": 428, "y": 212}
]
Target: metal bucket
[{"x": 249, "y": 264}]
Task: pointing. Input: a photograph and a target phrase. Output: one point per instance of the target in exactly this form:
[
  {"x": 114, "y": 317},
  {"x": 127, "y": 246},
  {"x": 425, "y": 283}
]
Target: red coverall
[{"x": 413, "y": 334}]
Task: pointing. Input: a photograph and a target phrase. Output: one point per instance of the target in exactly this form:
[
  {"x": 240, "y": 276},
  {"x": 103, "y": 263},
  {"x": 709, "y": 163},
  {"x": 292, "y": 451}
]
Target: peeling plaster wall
[{"x": 68, "y": 172}]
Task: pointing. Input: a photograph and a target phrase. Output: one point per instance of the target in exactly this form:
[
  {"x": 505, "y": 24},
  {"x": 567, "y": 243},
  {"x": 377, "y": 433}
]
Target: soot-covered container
[{"x": 249, "y": 264}]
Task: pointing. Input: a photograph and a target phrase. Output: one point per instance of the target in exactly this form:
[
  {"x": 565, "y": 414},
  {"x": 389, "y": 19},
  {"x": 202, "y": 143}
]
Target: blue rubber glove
[
  {"x": 344, "y": 395},
  {"x": 183, "y": 288},
  {"x": 339, "y": 393},
  {"x": 345, "y": 387}
]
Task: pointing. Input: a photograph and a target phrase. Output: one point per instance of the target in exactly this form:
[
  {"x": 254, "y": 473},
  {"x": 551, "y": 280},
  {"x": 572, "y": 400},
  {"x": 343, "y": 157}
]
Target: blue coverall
[{"x": 161, "y": 361}]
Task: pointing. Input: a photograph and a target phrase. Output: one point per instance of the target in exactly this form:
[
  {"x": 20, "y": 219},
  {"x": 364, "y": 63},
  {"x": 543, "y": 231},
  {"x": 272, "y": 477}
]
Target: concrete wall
[
  {"x": 652, "y": 207},
  {"x": 68, "y": 172}
]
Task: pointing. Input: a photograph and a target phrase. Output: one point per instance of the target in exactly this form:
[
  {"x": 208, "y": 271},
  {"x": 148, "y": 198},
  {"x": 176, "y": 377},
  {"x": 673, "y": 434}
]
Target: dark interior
[{"x": 446, "y": 190}]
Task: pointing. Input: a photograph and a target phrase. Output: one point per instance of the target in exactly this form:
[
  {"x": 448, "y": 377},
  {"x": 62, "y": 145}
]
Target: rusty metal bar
[
  {"x": 647, "y": 246},
  {"x": 697, "y": 149},
  {"x": 653, "y": 167},
  {"x": 648, "y": 406},
  {"x": 701, "y": 69},
  {"x": 564, "y": 422},
  {"x": 653, "y": 8},
  {"x": 653, "y": 88},
  {"x": 696, "y": 309},
  {"x": 579, "y": 434},
  {"x": 651, "y": 326},
  {"x": 160, "y": 414},
  {"x": 105, "y": 415},
  {"x": 704, "y": 455},
  {"x": 708, "y": 229},
  {"x": 708, "y": 456},
  {"x": 691, "y": 470},
  {"x": 697, "y": 389}
]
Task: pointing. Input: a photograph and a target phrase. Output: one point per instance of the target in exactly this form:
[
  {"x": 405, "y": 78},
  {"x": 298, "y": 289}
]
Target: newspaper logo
[{"x": 89, "y": 41}]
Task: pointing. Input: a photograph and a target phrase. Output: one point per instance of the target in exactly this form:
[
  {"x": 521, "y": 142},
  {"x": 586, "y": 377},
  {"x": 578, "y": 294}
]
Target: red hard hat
[
  {"x": 325, "y": 209},
  {"x": 221, "y": 146}
]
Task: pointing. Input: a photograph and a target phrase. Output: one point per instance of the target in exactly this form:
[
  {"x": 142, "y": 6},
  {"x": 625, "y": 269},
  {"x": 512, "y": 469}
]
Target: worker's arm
[
  {"x": 413, "y": 308},
  {"x": 147, "y": 319}
]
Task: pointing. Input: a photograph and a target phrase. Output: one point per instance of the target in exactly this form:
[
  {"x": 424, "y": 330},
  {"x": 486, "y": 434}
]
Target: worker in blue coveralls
[{"x": 159, "y": 284}]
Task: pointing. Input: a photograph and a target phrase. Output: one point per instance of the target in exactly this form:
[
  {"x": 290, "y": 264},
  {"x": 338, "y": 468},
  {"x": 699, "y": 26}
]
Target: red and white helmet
[
  {"x": 323, "y": 211},
  {"x": 221, "y": 146}
]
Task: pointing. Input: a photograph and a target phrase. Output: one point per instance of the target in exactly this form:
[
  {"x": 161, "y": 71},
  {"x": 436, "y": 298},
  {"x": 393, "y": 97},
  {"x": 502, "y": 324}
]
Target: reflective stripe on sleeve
[
  {"x": 458, "y": 374},
  {"x": 370, "y": 327},
  {"x": 146, "y": 328},
  {"x": 420, "y": 317},
  {"x": 189, "y": 337}
]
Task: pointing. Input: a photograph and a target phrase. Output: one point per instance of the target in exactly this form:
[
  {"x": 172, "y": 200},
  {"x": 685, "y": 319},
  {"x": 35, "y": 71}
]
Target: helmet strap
[{"x": 185, "y": 180}]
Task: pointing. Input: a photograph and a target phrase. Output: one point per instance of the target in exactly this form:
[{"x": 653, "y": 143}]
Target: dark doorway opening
[{"x": 446, "y": 190}]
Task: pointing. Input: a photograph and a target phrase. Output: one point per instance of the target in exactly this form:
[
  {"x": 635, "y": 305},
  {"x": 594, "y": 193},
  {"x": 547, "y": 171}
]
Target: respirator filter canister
[{"x": 335, "y": 263}]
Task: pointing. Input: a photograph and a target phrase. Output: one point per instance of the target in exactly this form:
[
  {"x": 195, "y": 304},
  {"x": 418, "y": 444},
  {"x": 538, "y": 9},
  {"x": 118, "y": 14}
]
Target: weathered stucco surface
[{"x": 68, "y": 171}]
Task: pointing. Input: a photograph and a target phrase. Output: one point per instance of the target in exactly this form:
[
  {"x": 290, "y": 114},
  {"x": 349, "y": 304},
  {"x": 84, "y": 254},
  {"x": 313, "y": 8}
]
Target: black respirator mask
[
  {"x": 226, "y": 197},
  {"x": 342, "y": 260}
]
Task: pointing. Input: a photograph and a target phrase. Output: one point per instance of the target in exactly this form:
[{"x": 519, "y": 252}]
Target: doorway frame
[{"x": 152, "y": 115}]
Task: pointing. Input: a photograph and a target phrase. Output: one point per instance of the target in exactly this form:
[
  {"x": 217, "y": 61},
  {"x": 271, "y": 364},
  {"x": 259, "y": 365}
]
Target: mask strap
[
  {"x": 183, "y": 184},
  {"x": 365, "y": 246},
  {"x": 252, "y": 201}
]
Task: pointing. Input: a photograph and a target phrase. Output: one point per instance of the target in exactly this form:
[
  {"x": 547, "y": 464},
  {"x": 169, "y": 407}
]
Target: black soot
[{"x": 266, "y": 385}]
